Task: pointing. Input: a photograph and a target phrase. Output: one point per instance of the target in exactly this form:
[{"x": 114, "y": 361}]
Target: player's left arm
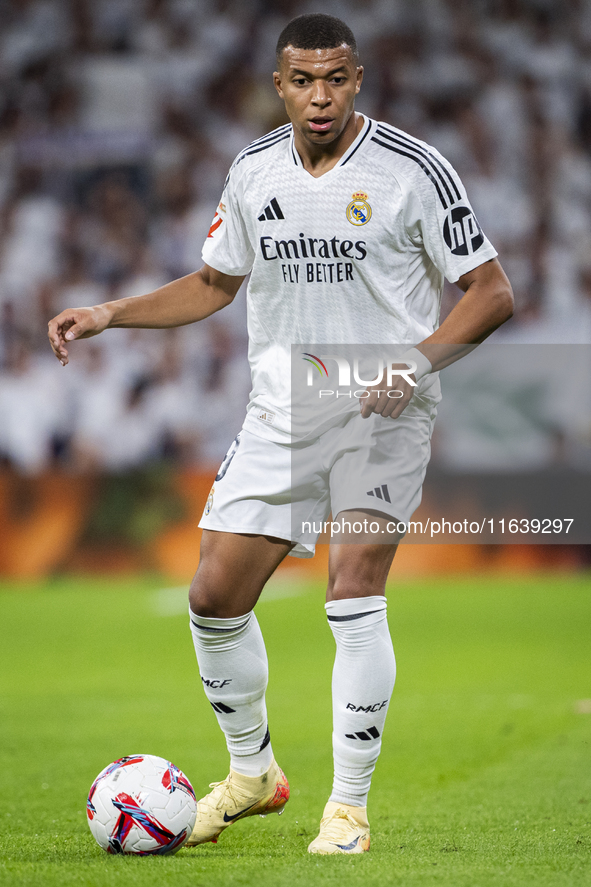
[{"x": 486, "y": 304}]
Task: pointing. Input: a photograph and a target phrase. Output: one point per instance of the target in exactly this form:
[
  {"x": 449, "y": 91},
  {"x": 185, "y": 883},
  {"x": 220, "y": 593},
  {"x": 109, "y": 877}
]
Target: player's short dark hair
[{"x": 316, "y": 31}]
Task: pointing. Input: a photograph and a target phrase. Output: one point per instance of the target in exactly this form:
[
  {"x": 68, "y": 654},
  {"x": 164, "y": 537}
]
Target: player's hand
[
  {"x": 76, "y": 323},
  {"x": 388, "y": 401}
]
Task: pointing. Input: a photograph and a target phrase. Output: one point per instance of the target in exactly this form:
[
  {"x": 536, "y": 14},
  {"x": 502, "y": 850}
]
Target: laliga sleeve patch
[
  {"x": 461, "y": 231},
  {"x": 217, "y": 220}
]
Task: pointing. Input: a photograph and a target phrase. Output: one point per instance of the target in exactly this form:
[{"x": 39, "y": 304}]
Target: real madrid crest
[
  {"x": 209, "y": 504},
  {"x": 359, "y": 210}
]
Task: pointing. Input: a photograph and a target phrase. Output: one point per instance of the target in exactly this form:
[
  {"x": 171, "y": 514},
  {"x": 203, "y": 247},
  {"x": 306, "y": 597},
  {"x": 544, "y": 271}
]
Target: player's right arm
[{"x": 183, "y": 301}]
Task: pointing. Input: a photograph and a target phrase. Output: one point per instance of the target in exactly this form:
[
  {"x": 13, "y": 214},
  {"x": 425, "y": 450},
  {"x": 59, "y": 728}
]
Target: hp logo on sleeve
[{"x": 461, "y": 231}]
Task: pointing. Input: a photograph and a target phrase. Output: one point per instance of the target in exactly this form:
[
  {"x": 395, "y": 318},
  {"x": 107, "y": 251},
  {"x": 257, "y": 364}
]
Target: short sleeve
[
  {"x": 439, "y": 214},
  {"x": 227, "y": 247}
]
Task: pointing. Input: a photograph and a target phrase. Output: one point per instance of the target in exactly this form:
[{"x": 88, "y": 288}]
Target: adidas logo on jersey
[
  {"x": 380, "y": 492},
  {"x": 272, "y": 212}
]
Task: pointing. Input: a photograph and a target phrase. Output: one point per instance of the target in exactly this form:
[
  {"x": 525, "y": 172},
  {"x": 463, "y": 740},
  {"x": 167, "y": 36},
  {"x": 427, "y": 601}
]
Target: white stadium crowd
[{"x": 118, "y": 122}]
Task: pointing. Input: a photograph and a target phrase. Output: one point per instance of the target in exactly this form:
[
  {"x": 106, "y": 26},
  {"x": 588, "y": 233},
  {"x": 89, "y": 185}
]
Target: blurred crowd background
[{"x": 118, "y": 122}]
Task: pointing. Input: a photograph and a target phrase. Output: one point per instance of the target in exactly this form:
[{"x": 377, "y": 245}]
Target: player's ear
[
  {"x": 359, "y": 78},
  {"x": 277, "y": 83}
]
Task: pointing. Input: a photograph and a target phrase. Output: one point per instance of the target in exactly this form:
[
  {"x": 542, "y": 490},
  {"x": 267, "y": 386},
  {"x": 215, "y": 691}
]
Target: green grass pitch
[{"x": 484, "y": 778}]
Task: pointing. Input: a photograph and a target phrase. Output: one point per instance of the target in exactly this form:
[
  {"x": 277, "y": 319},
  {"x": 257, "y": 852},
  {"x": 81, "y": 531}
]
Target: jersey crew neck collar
[{"x": 361, "y": 139}]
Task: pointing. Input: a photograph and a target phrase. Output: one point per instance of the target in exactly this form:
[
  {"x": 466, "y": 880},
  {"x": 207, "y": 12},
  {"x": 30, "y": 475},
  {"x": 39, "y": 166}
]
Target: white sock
[
  {"x": 233, "y": 666},
  {"x": 362, "y": 683}
]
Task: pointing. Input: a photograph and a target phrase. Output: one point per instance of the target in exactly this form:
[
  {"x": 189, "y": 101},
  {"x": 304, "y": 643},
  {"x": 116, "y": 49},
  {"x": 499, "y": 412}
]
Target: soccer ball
[{"x": 141, "y": 804}]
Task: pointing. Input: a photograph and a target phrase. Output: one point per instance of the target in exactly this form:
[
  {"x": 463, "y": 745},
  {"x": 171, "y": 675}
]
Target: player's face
[{"x": 318, "y": 87}]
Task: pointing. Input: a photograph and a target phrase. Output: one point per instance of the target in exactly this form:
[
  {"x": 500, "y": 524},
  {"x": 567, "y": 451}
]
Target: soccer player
[{"x": 347, "y": 227}]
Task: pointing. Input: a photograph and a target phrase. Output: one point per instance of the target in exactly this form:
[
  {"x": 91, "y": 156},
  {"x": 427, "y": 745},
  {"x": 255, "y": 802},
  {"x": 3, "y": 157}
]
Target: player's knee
[
  {"x": 359, "y": 571},
  {"x": 354, "y": 585},
  {"x": 208, "y": 594},
  {"x": 201, "y": 604},
  {"x": 218, "y": 591}
]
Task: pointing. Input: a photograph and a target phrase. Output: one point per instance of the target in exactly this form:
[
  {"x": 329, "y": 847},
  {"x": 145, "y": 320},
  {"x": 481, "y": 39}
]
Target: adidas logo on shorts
[{"x": 380, "y": 492}]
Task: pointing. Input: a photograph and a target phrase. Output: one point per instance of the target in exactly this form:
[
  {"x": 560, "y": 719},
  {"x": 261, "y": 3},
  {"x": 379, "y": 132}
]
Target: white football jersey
[{"x": 358, "y": 255}]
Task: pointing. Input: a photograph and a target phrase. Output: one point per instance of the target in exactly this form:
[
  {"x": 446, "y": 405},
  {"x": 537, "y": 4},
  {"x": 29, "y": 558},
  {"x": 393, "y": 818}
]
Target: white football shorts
[{"x": 288, "y": 490}]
